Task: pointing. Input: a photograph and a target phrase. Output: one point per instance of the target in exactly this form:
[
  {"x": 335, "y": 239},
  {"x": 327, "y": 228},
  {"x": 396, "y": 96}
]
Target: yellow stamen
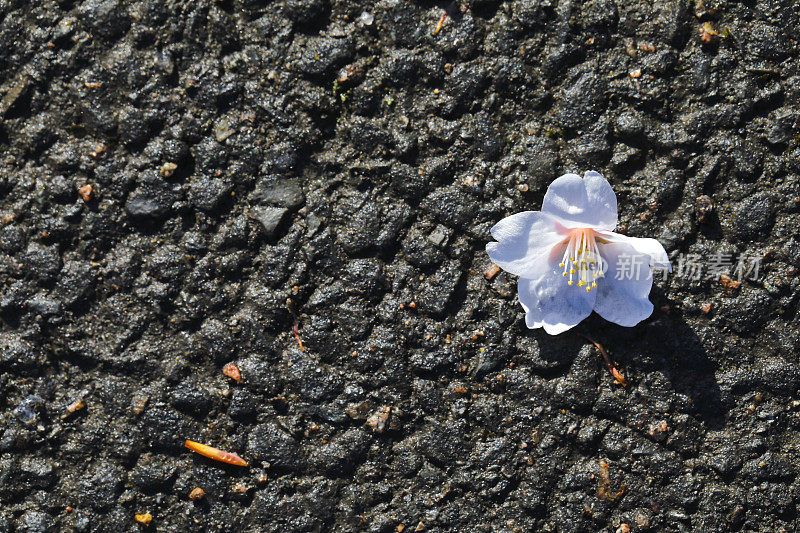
[{"x": 582, "y": 258}]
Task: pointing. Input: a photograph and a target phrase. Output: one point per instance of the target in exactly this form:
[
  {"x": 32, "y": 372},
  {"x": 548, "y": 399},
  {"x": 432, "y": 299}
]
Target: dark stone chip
[{"x": 753, "y": 217}]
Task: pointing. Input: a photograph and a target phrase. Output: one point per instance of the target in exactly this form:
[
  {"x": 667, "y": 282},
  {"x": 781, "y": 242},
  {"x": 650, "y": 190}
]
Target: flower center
[{"x": 582, "y": 262}]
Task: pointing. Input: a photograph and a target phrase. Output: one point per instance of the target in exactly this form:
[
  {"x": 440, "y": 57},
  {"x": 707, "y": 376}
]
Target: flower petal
[
  {"x": 622, "y": 293},
  {"x": 602, "y": 200},
  {"x": 657, "y": 256},
  {"x": 549, "y": 302},
  {"x": 523, "y": 238},
  {"x": 582, "y": 202}
]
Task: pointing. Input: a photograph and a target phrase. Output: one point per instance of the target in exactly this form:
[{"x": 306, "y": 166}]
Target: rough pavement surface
[{"x": 181, "y": 181}]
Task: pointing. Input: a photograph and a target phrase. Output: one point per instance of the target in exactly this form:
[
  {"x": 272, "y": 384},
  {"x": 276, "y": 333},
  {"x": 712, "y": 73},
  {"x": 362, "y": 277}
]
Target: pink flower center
[{"x": 582, "y": 262}]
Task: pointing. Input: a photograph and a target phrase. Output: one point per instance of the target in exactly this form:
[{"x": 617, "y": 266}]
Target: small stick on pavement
[
  {"x": 230, "y": 458},
  {"x": 614, "y": 372},
  {"x": 295, "y": 329},
  {"x": 448, "y": 11},
  {"x": 440, "y": 23}
]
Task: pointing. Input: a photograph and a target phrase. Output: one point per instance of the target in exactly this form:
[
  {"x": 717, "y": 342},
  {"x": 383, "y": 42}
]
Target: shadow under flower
[{"x": 668, "y": 371}]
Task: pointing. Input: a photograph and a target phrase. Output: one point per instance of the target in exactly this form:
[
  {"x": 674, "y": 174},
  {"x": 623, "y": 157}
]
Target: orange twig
[
  {"x": 440, "y": 23},
  {"x": 295, "y": 329},
  {"x": 612, "y": 370},
  {"x": 603, "y": 483},
  {"x": 296, "y": 333},
  {"x": 216, "y": 454},
  {"x": 450, "y": 11}
]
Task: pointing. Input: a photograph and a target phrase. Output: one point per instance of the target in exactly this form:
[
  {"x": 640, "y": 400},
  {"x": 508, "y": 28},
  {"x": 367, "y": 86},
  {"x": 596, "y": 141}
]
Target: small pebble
[
  {"x": 378, "y": 420},
  {"x": 703, "y": 206},
  {"x": 232, "y": 371},
  {"x": 144, "y": 519},
  {"x": 74, "y": 407},
  {"x": 167, "y": 169},
  {"x": 708, "y": 34},
  {"x": 85, "y": 192},
  {"x": 366, "y": 18}
]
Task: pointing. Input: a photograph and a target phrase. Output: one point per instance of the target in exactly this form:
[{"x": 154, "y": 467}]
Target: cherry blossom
[{"x": 570, "y": 262}]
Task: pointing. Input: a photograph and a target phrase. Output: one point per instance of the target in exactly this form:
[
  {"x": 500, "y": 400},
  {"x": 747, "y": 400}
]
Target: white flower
[{"x": 570, "y": 262}]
